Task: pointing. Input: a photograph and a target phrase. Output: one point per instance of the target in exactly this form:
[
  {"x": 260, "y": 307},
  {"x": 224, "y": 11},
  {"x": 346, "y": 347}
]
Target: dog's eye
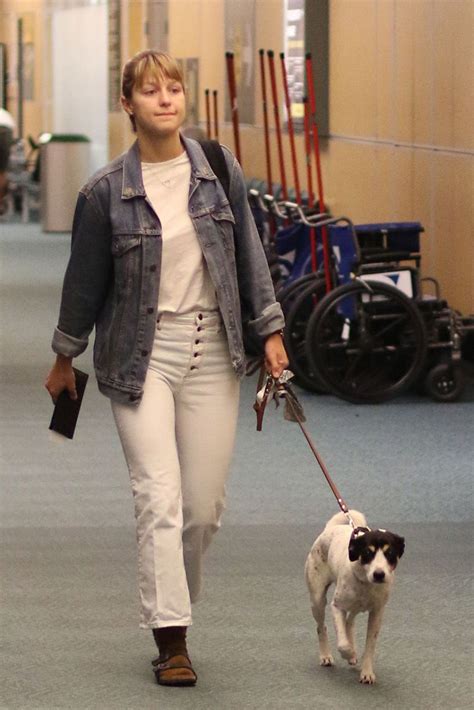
[
  {"x": 367, "y": 555},
  {"x": 391, "y": 555}
]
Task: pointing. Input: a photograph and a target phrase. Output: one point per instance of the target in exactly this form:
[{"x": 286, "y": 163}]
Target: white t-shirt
[{"x": 185, "y": 283}]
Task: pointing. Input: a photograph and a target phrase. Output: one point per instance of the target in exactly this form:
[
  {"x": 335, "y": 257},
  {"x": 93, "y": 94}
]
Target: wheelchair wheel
[
  {"x": 367, "y": 342},
  {"x": 287, "y": 294},
  {"x": 445, "y": 383},
  {"x": 303, "y": 302}
]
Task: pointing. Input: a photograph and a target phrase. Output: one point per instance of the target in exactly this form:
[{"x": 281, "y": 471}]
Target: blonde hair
[{"x": 150, "y": 63}]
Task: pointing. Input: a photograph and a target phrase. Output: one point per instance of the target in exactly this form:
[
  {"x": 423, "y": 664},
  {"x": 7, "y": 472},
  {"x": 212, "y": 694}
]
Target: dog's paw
[
  {"x": 367, "y": 677},
  {"x": 347, "y": 652},
  {"x": 326, "y": 660},
  {"x": 352, "y": 661}
]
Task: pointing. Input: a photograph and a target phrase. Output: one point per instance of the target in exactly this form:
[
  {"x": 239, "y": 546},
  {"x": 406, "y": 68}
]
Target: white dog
[{"x": 361, "y": 563}]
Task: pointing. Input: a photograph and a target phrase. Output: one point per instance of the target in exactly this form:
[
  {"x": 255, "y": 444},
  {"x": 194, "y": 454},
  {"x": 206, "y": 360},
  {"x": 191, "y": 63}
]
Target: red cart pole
[
  {"x": 208, "y": 115},
  {"x": 216, "y": 118},
  {"x": 276, "y": 112},
  {"x": 290, "y": 129},
  {"x": 309, "y": 176},
  {"x": 322, "y": 208},
  {"x": 265, "y": 123},
  {"x": 233, "y": 102},
  {"x": 307, "y": 144}
]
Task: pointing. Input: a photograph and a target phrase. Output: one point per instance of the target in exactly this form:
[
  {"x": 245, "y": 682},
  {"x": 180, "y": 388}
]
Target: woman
[{"x": 159, "y": 263}]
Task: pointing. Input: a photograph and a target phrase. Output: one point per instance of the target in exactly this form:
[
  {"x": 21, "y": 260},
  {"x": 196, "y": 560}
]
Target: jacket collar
[{"x": 132, "y": 181}]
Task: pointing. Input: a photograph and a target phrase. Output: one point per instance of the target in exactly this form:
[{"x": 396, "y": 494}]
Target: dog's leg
[
  {"x": 318, "y": 607},
  {"x": 340, "y": 623},
  {"x": 350, "y": 635},
  {"x": 367, "y": 674},
  {"x": 318, "y": 582}
]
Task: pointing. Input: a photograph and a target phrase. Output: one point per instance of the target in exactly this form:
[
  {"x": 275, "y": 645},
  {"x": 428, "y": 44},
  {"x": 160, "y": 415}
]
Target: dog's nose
[{"x": 379, "y": 576}]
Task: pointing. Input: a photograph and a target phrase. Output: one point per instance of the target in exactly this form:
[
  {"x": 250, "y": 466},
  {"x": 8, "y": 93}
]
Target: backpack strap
[{"x": 216, "y": 159}]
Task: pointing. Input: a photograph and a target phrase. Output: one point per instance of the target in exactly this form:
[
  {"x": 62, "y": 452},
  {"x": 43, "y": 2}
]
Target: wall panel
[
  {"x": 385, "y": 47},
  {"x": 423, "y": 73},
  {"x": 402, "y": 100},
  {"x": 453, "y": 227},
  {"x": 463, "y": 73},
  {"x": 352, "y": 73}
]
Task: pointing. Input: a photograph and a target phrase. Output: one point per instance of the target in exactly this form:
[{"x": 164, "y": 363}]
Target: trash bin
[{"x": 65, "y": 167}]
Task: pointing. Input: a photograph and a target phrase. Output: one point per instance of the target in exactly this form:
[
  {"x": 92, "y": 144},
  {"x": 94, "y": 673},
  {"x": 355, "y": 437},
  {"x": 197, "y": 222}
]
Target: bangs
[{"x": 157, "y": 67}]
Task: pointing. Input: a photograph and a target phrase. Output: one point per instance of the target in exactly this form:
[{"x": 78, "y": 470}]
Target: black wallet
[{"x": 66, "y": 410}]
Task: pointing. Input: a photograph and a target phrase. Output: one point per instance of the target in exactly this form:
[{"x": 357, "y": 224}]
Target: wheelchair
[{"x": 374, "y": 333}]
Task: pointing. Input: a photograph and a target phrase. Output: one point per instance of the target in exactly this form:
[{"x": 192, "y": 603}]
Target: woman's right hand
[{"x": 61, "y": 377}]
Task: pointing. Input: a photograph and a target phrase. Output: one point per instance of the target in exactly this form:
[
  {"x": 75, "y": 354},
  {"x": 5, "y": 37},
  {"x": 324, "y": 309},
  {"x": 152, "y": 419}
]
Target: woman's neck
[{"x": 155, "y": 149}]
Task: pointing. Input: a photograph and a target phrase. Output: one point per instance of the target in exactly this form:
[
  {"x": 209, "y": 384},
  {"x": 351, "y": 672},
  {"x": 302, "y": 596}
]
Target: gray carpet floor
[{"x": 69, "y": 603}]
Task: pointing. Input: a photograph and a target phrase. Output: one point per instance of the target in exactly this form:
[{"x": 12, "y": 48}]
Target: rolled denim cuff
[
  {"x": 271, "y": 321},
  {"x": 67, "y": 345}
]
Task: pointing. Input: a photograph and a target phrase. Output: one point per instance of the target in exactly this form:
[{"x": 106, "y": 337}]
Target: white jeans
[{"x": 178, "y": 445}]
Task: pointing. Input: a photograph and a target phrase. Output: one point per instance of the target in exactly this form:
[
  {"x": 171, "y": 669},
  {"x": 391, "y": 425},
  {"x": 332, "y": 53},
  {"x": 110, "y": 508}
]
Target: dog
[{"x": 361, "y": 563}]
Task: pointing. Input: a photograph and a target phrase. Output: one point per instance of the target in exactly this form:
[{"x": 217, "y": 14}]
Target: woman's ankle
[{"x": 171, "y": 640}]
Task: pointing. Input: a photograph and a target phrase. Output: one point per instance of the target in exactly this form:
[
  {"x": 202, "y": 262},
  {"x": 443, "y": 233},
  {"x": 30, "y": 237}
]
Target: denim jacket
[{"x": 113, "y": 277}]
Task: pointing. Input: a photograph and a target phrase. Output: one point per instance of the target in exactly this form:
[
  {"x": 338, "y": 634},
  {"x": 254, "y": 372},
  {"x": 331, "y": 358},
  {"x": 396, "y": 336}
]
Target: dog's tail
[{"x": 341, "y": 519}]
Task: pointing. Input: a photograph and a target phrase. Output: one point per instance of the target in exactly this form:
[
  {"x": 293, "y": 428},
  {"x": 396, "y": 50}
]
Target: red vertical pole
[
  {"x": 233, "y": 102},
  {"x": 309, "y": 176},
  {"x": 322, "y": 208},
  {"x": 307, "y": 143},
  {"x": 265, "y": 123},
  {"x": 208, "y": 115},
  {"x": 216, "y": 117},
  {"x": 276, "y": 112},
  {"x": 291, "y": 133}
]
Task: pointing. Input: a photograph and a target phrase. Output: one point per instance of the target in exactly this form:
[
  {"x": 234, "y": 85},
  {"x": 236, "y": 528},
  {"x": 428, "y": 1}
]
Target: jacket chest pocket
[
  {"x": 127, "y": 253},
  {"x": 224, "y": 223}
]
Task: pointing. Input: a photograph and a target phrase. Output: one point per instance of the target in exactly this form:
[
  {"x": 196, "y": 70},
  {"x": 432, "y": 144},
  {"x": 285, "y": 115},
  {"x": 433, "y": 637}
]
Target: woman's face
[{"x": 158, "y": 106}]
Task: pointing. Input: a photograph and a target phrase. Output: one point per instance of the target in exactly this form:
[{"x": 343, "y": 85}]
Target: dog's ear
[
  {"x": 356, "y": 545},
  {"x": 399, "y": 544}
]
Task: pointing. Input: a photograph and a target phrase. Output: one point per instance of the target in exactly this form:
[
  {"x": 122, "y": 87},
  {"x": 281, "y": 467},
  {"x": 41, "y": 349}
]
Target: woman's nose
[{"x": 165, "y": 97}]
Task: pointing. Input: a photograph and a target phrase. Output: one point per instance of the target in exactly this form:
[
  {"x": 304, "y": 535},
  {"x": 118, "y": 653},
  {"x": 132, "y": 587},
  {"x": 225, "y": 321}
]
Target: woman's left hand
[{"x": 276, "y": 359}]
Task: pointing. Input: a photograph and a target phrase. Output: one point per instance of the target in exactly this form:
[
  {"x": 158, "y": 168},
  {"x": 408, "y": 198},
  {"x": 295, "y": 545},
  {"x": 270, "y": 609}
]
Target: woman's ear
[{"x": 126, "y": 105}]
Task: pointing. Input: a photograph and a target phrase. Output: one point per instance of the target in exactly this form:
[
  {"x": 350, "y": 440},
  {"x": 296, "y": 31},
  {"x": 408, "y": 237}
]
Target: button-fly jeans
[{"x": 178, "y": 445}]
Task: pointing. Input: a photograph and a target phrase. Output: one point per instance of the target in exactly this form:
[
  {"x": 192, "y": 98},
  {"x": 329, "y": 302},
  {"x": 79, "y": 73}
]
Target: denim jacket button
[
  {"x": 150, "y": 310},
  {"x": 144, "y": 353},
  {"x": 153, "y": 267}
]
